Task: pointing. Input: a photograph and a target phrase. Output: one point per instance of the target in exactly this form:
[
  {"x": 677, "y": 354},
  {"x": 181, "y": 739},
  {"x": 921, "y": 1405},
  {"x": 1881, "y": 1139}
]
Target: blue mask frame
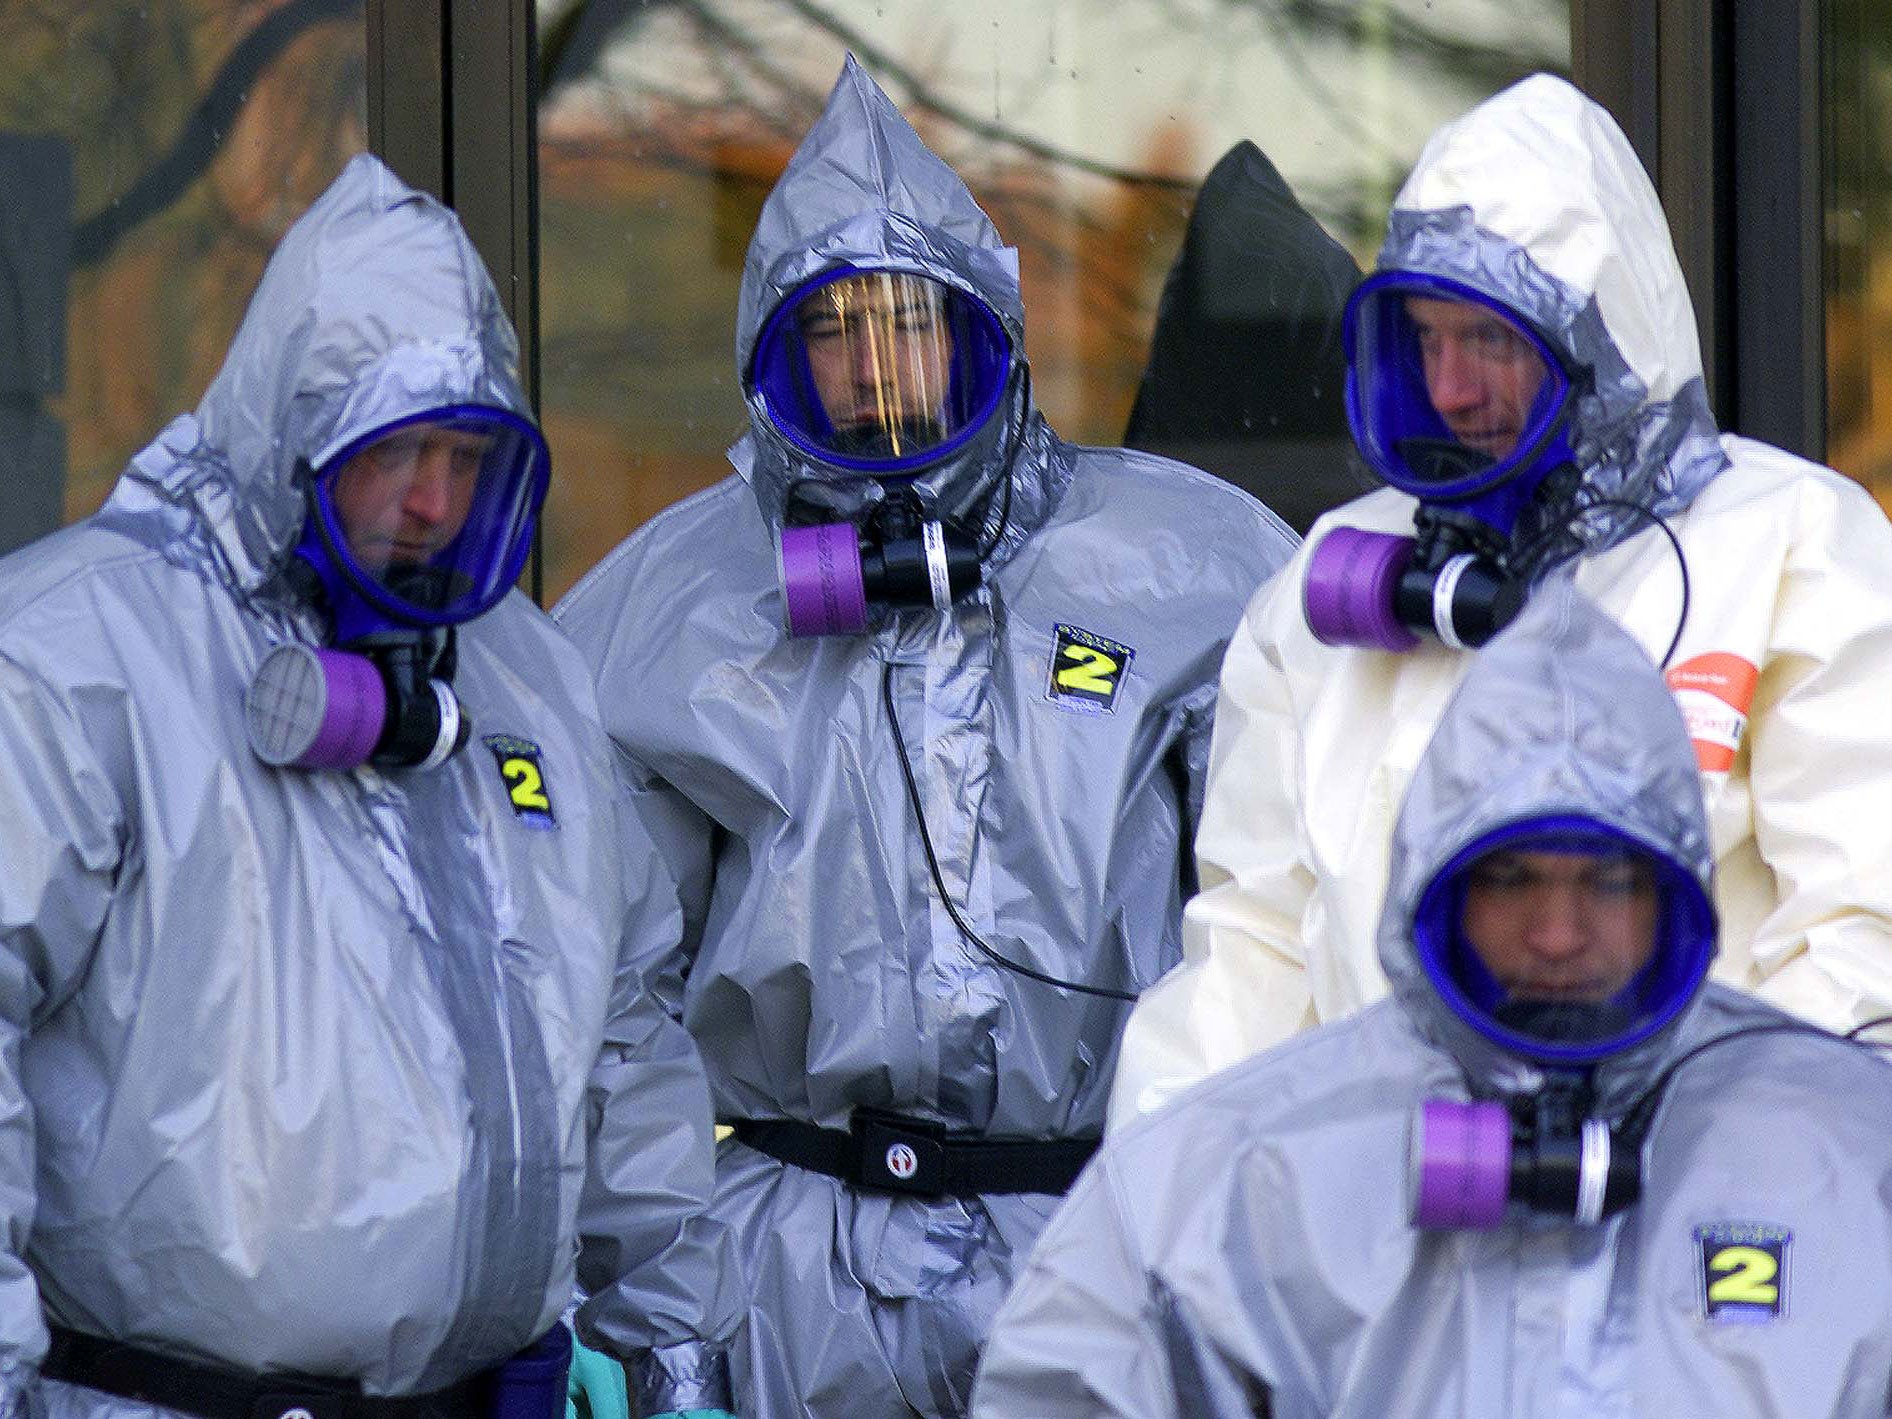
[
  {"x": 1400, "y": 415},
  {"x": 980, "y": 374},
  {"x": 362, "y": 605},
  {"x": 1684, "y": 948}
]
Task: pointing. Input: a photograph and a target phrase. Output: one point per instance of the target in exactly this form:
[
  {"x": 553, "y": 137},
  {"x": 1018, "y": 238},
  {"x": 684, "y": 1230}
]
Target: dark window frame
[
  {"x": 453, "y": 108},
  {"x": 1721, "y": 99}
]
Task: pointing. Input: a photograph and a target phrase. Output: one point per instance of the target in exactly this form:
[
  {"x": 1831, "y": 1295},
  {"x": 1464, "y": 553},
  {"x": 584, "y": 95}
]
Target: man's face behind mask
[
  {"x": 428, "y": 519},
  {"x": 1481, "y": 372},
  {"x": 1561, "y": 926},
  {"x": 1563, "y": 940},
  {"x": 880, "y": 372},
  {"x": 402, "y": 500},
  {"x": 1449, "y": 394},
  {"x": 881, "y": 356}
]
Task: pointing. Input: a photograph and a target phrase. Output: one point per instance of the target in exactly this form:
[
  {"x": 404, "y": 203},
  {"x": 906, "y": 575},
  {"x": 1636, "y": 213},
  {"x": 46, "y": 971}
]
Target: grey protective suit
[
  {"x": 297, "y": 1069},
  {"x": 1247, "y": 1249},
  {"x": 818, "y": 970}
]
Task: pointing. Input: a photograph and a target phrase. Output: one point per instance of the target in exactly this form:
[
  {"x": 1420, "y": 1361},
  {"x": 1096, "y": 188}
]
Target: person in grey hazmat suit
[
  {"x": 1555, "y": 1173},
  {"x": 917, "y": 705},
  {"x": 1524, "y": 373},
  {"x": 318, "y": 1054}
]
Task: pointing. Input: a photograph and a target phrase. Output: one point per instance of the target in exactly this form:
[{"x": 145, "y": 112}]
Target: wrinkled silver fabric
[
  {"x": 1249, "y": 1244},
  {"x": 817, "y": 969},
  {"x": 298, "y": 1068}
]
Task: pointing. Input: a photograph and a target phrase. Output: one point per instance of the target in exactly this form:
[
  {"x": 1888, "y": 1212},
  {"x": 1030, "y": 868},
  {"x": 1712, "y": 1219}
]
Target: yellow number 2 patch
[
  {"x": 522, "y": 771},
  {"x": 1744, "y": 1272},
  {"x": 1087, "y": 670}
]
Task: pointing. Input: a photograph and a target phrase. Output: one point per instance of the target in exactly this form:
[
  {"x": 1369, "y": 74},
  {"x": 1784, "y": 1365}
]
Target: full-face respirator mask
[
  {"x": 413, "y": 528},
  {"x": 875, "y": 377},
  {"x": 1564, "y": 943},
  {"x": 1454, "y": 400}
]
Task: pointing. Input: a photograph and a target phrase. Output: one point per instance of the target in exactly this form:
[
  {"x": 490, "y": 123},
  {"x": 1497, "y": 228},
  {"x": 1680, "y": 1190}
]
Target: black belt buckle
[
  {"x": 276, "y": 1405},
  {"x": 898, "y": 1154}
]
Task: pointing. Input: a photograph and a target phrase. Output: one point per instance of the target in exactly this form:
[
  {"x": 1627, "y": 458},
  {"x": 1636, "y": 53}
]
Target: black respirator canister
[
  {"x": 311, "y": 707},
  {"x": 1470, "y": 1160},
  {"x": 832, "y": 573}
]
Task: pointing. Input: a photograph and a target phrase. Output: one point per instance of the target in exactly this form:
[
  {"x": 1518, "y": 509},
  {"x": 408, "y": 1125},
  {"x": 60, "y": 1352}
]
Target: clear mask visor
[
  {"x": 880, "y": 371},
  {"x": 432, "y": 517},
  {"x": 1448, "y": 393},
  {"x": 1564, "y": 941}
]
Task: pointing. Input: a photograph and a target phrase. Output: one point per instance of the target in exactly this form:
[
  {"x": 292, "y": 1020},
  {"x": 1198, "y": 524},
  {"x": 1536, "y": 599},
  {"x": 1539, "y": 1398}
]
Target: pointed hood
[
  {"x": 1536, "y": 199},
  {"x": 1246, "y": 366},
  {"x": 375, "y": 307},
  {"x": 1562, "y": 716},
  {"x": 863, "y": 191}
]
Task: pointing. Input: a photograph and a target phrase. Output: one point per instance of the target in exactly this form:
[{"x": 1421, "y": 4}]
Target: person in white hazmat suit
[
  {"x": 317, "y": 1053},
  {"x": 1525, "y": 374},
  {"x": 1554, "y": 1174},
  {"x": 918, "y": 706}
]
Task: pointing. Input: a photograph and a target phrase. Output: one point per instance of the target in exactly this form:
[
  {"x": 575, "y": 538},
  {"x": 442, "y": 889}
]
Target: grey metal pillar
[
  {"x": 1779, "y": 225},
  {"x": 35, "y": 264},
  {"x": 1660, "y": 67},
  {"x": 451, "y": 107}
]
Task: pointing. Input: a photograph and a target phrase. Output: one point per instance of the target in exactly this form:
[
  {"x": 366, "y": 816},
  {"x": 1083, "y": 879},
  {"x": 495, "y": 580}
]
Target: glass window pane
[
  {"x": 166, "y": 145},
  {"x": 1084, "y": 127},
  {"x": 1857, "y": 49}
]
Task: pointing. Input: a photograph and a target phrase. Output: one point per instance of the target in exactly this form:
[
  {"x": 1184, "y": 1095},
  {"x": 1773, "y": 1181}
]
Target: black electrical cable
[
  {"x": 1525, "y": 553},
  {"x": 939, "y": 880},
  {"x": 1860, "y": 1029},
  {"x": 1640, "y": 1113},
  {"x": 987, "y": 547}
]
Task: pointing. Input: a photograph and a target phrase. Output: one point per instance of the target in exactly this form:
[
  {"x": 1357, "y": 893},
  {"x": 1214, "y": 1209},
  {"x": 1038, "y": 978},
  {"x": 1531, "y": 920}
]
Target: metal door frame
[{"x": 1722, "y": 100}]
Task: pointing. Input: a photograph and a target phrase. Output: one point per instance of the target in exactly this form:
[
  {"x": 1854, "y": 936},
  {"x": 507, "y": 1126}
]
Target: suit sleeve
[
  {"x": 1079, "y": 1335},
  {"x": 1243, "y": 982},
  {"x": 64, "y": 830},
  {"x": 660, "y": 1272},
  {"x": 1820, "y": 767}
]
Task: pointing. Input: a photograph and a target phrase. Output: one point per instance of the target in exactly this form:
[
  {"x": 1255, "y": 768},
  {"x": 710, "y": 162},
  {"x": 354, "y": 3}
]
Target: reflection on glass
[
  {"x": 1858, "y": 181},
  {"x": 169, "y": 144},
  {"x": 1084, "y": 127}
]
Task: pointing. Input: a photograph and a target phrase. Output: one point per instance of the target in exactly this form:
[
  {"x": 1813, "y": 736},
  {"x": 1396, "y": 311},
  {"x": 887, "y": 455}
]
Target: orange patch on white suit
[{"x": 1714, "y": 692}]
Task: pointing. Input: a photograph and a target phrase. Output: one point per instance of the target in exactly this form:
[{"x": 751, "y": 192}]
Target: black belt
[
  {"x": 217, "y": 1393},
  {"x": 884, "y": 1152}
]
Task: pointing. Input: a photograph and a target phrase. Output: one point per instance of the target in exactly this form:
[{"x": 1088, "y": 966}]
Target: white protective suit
[
  {"x": 313, "y": 1072},
  {"x": 819, "y": 970},
  {"x": 1536, "y": 198},
  {"x": 1249, "y": 1249}
]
